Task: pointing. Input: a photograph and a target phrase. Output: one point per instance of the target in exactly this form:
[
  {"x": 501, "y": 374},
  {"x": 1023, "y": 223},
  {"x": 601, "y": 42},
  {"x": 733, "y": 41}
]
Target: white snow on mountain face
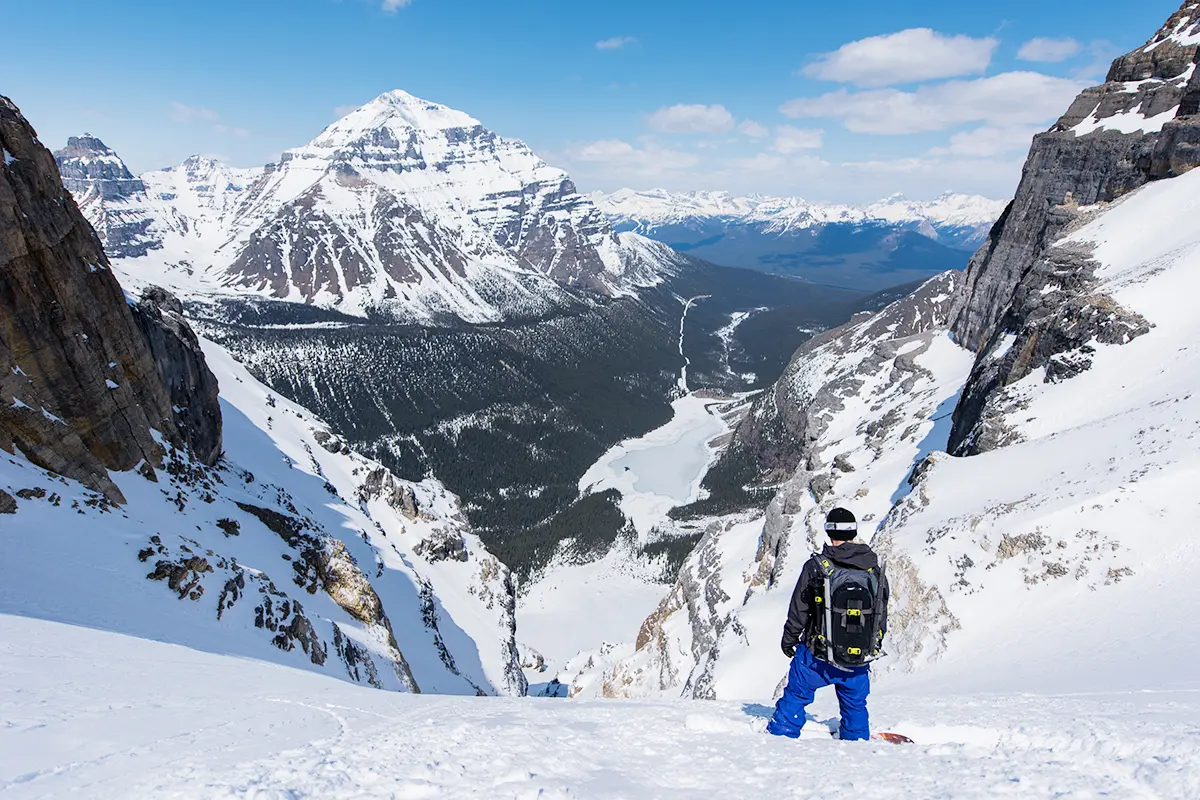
[
  {"x": 1135, "y": 119},
  {"x": 363, "y": 577},
  {"x": 658, "y": 208},
  {"x": 402, "y": 206},
  {"x": 1017, "y": 569},
  {"x": 99, "y": 715}
]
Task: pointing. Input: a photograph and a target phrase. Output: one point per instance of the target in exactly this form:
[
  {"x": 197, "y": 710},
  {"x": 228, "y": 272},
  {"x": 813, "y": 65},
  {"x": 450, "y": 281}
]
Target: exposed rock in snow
[
  {"x": 1095, "y": 153},
  {"x": 272, "y": 558},
  {"x": 108, "y": 194},
  {"x": 1019, "y": 285}
]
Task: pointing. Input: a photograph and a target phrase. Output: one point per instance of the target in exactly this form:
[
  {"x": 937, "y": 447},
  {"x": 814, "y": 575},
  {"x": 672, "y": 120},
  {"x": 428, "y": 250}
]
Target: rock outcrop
[
  {"x": 776, "y": 435},
  {"x": 82, "y": 392},
  {"x": 190, "y": 383},
  {"x": 1140, "y": 125}
]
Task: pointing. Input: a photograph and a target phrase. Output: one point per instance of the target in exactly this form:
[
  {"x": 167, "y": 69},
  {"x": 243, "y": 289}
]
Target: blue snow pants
[{"x": 809, "y": 674}]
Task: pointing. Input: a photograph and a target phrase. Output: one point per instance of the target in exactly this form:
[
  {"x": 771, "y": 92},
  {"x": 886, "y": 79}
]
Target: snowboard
[{"x": 894, "y": 738}]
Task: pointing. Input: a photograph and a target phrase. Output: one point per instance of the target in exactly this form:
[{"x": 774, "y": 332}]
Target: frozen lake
[
  {"x": 663, "y": 469},
  {"x": 672, "y": 468}
]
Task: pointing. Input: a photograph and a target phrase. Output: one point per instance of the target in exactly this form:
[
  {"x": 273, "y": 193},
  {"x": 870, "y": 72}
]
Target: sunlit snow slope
[{"x": 100, "y": 715}]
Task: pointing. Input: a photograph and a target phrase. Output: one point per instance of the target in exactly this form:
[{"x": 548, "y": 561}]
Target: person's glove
[{"x": 789, "y": 649}]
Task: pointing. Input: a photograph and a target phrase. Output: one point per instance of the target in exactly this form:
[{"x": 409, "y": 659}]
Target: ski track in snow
[{"x": 97, "y": 714}]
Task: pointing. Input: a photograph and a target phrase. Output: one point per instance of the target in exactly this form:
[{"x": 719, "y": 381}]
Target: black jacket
[{"x": 801, "y": 626}]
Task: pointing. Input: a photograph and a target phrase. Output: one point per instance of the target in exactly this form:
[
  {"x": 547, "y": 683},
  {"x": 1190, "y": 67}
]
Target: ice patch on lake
[{"x": 663, "y": 469}]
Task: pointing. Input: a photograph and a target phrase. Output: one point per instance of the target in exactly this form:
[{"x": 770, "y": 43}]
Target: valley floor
[{"x": 87, "y": 713}]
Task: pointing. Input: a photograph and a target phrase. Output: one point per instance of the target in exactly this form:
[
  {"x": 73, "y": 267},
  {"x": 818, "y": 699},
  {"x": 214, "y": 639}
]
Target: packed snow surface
[
  {"x": 93, "y": 714},
  {"x": 575, "y": 608}
]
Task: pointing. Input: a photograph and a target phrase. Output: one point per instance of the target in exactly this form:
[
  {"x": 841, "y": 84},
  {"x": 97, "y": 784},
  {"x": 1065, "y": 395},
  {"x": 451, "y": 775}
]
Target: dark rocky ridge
[
  {"x": 1015, "y": 284},
  {"x": 82, "y": 389}
]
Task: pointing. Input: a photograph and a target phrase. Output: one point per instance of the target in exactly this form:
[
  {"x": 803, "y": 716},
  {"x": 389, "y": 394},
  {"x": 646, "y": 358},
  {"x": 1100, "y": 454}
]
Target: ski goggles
[{"x": 841, "y": 526}]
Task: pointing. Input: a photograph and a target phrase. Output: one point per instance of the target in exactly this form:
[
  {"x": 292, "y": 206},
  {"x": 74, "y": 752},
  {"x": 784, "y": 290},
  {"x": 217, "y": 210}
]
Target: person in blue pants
[
  {"x": 800, "y": 638},
  {"x": 808, "y": 674}
]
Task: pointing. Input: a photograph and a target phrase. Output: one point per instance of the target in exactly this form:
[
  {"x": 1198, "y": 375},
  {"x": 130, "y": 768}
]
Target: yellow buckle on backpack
[
  {"x": 817, "y": 599},
  {"x": 853, "y": 612},
  {"x": 854, "y": 651}
]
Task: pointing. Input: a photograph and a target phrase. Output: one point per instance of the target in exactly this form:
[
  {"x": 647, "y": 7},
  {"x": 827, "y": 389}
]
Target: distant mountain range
[
  {"x": 871, "y": 247},
  {"x": 404, "y": 208}
]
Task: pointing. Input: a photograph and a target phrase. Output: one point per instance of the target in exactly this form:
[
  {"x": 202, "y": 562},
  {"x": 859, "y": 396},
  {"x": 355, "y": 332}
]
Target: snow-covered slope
[
  {"x": 95, "y": 714},
  {"x": 403, "y": 207},
  {"x": 1028, "y": 562},
  {"x": 963, "y": 220},
  {"x": 293, "y": 549}
]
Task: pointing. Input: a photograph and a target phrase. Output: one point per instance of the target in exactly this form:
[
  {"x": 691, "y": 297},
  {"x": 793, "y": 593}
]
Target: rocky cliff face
[
  {"x": 103, "y": 186},
  {"x": 190, "y": 384},
  {"x": 1140, "y": 125},
  {"x": 82, "y": 390}
]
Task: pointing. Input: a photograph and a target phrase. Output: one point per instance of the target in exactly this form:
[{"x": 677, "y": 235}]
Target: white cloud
[
  {"x": 195, "y": 115},
  {"x": 909, "y": 56},
  {"x": 763, "y": 162},
  {"x": 1100, "y": 55},
  {"x": 988, "y": 141},
  {"x": 1049, "y": 51},
  {"x": 789, "y": 139},
  {"x": 392, "y": 6},
  {"x": 1005, "y": 100},
  {"x": 615, "y": 43},
  {"x": 188, "y": 114},
  {"x": 753, "y": 129},
  {"x": 691, "y": 119},
  {"x": 648, "y": 160},
  {"x": 225, "y": 129}
]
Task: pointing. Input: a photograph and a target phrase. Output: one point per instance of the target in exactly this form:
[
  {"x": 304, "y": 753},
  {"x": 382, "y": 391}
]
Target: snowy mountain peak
[
  {"x": 394, "y": 108},
  {"x": 88, "y": 164},
  {"x": 404, "y": 207}
]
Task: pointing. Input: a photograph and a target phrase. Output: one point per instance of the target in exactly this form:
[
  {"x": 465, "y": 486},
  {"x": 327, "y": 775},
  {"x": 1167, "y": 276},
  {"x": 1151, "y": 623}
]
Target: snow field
[{"x": 99, "y": 715}]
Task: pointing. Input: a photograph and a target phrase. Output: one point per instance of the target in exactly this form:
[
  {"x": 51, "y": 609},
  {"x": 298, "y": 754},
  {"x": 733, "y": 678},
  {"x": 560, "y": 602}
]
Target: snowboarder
[{"x": 834, "y": 629}]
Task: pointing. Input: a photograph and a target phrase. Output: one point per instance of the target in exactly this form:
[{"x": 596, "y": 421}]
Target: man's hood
[{"x": 852, "y": 554}]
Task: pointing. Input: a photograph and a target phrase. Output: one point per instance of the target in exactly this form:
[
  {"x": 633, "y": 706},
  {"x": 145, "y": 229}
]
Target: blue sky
[{"x": 830, "y": 101}]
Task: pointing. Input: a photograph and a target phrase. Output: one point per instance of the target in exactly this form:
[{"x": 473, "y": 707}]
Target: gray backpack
[{"x": 850, "y": 610}]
